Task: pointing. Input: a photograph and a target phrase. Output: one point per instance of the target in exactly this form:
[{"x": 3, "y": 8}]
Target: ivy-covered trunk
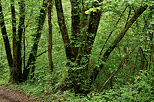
[{"x": 78, "y": 46}]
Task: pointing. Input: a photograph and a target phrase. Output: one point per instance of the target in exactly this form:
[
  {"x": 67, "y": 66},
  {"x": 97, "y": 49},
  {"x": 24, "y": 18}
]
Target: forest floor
[{"x": 9, "y": 95}]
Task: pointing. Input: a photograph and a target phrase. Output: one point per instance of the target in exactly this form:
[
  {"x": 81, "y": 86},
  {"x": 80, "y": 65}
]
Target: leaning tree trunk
[
  {"x": 6, "y": 42},
  {"x": 32, "y": 56},
  {"x": 64, "y": 32},
  {"x": 151, "y": 65},
  {"x": 117, "y": 40}
]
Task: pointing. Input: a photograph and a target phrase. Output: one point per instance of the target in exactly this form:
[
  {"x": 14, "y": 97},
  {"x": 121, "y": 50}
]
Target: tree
[
  {"x": 6, "y": 40},
  {"x": 15, "y": 63},
  {"x": 78, "y": 46},
  {"x": 50, "y": 37}
]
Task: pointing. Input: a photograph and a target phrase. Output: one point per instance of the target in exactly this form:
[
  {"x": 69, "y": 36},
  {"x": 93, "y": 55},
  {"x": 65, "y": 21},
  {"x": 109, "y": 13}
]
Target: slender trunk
[
  {"x": 32, "y": 56},
  {"x": 24, "y": 41},
  {"x": 75, "y": 26},
  {"x": 14, "y": 41},
  {"x": 120, "y": 66},
  {"x": 50, "y": 37},
  {"x": 151, "y": 65},
  {"x": 6, "y": 41},
  {"x": 93, "y": 26},
  {"x": 63, "y": 29},
  {"x": 18, "y": 72}
]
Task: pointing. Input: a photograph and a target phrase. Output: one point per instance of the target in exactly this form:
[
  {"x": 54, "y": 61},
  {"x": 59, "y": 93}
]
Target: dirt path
[{"x": 7, "y": 95}]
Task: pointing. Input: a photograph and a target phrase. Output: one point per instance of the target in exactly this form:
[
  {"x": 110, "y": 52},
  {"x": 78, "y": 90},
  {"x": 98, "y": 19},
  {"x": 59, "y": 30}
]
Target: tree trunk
[
  {"x": 21, "y": 26},
  {"x": 32, "y": 56},
  {"x": 78, "y": 51},
  {"x": 75, "y": 26},
  {"x": 151, "y": 39},
  {"x": 117, "y": 40},
  {"x": 63, "y": 30},
  {"x": 14, "y": 41},
  {"x": 6, "y": 42},
  {"x": 50, "y": 37}
]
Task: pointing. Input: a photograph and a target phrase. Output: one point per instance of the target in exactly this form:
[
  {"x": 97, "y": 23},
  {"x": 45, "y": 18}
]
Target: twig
[
  {"x": 121, "y": 64},
  {"x": 113, "y": 29}
]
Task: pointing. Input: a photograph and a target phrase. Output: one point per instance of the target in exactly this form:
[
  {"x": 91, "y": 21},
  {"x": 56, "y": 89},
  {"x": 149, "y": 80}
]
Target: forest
[{"x": 78, "y": 50}]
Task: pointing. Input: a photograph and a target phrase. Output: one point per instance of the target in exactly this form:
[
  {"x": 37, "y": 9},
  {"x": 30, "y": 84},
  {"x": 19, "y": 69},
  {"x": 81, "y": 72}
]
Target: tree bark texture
[
  {"x": 75, "y": 25},
  {"x": 14, "y": 39},
  {"x": 6, "y": 41},
  {"x": 63, "y": 30},
  {"x": 21, "y": 26},
  {"x": 50, "y": 37}
]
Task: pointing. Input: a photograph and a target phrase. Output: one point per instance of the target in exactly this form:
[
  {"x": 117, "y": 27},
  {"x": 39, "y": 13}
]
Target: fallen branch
[{"x": 121, "y": 65}]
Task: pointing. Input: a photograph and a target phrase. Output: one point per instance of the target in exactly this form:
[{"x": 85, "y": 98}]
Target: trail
[{"x": 8, "y": 95}]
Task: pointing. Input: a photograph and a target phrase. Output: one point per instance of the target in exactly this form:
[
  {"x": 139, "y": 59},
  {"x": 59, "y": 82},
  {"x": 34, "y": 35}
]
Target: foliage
[
  {"x": 133, "y": 82},
  {"x": 141, "y": 90}
]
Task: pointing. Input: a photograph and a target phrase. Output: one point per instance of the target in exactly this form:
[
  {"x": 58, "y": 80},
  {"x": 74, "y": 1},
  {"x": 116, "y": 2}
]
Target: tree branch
[
  {"x": 118, "y": 39},
  {"x": 63, "y": 29},
  {"x": 121, "y": 65}
]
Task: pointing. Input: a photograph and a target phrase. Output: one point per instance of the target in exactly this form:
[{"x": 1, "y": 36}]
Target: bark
[
  {"x": 75, "y": 25},
  {"x": 78, "y": 74},
  {"x": 63, "y": 30},
  {"x": 117, "y": 40},
  {"x": 6, "y": 42},
  {"x": 93, "y": 26},
  {"x": 18, "y": 71},
  {"x": 79, "y": 54},
  {"x": 50, "y": 37},
  {"x": 24, "y": 41},
  {"x": 32, "y": 56},
  {"x": 89, "y": 36},
  {"x": 14, "y": 40}
]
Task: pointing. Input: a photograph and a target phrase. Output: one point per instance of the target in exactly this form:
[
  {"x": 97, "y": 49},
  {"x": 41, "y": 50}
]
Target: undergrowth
[{"x": 141, "y": 90}]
